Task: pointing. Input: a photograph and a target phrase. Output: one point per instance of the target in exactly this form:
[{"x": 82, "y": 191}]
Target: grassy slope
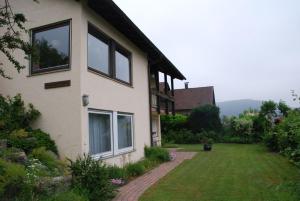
[{"x": 230, "y": 172}]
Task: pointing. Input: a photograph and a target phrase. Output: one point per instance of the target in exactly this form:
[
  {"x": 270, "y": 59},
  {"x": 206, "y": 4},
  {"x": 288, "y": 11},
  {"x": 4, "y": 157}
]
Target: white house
[{"x": 95, "y": 80}]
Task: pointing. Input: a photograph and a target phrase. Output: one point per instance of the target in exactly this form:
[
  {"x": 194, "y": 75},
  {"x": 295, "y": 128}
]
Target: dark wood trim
[
  {"x": 166, "y": 83},
  {"x": 47, "y": 27},
  {"x": 158, "y": 104},
  {"x": 150, "y": 104},
  {"x": 172, "y": 86},
  {"x": 58, "y": 84},
  {"x": 113, "y": 47},
  {"x": 173, "y": 108}
]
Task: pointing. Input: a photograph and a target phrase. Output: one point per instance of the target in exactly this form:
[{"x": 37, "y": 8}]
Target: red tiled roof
[{"x": 187, "y": 99}]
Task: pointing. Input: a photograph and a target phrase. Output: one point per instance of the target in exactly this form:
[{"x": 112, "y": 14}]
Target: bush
[
  {"x": 29, "y": 140},
  {"x": 206, "y": 118},
  {"x": 12, "y": 182},
  {"x": 115, "y": 172},
  {"x": 15, "y": 115},
  {"x": 170, "y": 122},
  {"x": 91, "y": 177},
  {"x": 157, "y": 154},
  {"x": 285, "y": 137},
  {"x": 135, "y": 169},
  {"x": 182, "y": 136},
  {"x": 49, "y": 159},
  {"x": 185, "y": 136},
  {"x": 66, "y": 196},
  {"x": 43, "y": 140}
]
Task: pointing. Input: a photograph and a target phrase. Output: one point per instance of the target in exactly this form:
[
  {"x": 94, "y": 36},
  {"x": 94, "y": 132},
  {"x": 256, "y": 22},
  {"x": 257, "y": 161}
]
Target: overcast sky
[{"x": 244, "y": 48}]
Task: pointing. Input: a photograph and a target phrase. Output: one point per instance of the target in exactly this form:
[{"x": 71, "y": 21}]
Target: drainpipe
[{"x": 150, "y": 103}]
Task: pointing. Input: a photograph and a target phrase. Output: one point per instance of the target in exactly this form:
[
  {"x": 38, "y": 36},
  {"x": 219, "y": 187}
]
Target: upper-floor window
[
  {"x": 52, "y": 45},
  {"x": 107, "y": 57},
  {"x": 122, "y": 65},
  {"x": 98, "y": 52}
]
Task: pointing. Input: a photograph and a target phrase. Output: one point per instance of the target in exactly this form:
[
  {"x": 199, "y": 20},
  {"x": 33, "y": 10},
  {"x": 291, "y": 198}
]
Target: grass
[{"x": 231, "y": 172}]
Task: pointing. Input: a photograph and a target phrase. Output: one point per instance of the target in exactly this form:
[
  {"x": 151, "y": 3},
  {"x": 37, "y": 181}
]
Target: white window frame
[
  {"x": 118, "y": 151},
  {"x": 108, "y": 153}
]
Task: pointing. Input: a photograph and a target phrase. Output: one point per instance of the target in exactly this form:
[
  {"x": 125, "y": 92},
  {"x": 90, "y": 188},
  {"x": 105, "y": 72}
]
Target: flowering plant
[{"x": 117, "y": 182}]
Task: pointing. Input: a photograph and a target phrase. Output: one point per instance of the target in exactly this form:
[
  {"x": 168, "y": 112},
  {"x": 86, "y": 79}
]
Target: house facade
[
  {"x": 92, "y": 80},
  {"x": 187, "y": 99}
]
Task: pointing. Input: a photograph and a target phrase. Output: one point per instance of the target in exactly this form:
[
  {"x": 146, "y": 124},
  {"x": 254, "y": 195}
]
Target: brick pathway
[{"x": 134, "y": 189}]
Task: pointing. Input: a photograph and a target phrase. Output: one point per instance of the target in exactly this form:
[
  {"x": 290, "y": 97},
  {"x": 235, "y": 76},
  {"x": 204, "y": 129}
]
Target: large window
[
  {"x": 52, "y": 45},
  {"x": 98, "y": 52},
  {"x": 122, "y": 66},
  {"x": 124, "y": 131},
  {"x": 105, "y": 56},
  {"x": 100, "y": 133},
  {"x": 110, "y": 133}
]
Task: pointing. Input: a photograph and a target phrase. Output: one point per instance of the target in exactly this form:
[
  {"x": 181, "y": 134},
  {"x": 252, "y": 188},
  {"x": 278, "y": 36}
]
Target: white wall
[
  {"x": 63, "y": 115},
  {"x": 107, "y": 94},
  {"x": 60, "y": 108}
]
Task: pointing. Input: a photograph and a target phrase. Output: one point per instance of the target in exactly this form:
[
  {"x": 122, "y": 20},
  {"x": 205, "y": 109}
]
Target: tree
[
  {"x": 268, "y": 108},
  {"x": 13, "y": 28},
  {"x": 283, "y": 108},
  {"x": 295, "y": 96},
  {"x": 205, "y": 118}
]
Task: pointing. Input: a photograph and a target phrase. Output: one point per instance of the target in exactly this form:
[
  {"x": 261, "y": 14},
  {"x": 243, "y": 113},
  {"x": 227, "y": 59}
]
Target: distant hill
[{"x": 236, "y": 107}]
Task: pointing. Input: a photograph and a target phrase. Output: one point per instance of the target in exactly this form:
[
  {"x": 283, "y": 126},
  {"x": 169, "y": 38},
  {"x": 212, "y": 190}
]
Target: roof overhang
[{"x": 108, "y": 10}]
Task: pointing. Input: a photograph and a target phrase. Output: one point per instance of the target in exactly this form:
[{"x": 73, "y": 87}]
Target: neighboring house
[
  {"x": 189, "y": 98},
  {"x": 95, "y": 80}
]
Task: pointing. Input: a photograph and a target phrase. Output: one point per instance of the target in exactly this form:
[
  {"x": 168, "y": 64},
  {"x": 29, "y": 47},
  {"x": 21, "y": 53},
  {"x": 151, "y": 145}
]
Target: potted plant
[{"x": 207, "y": 144}]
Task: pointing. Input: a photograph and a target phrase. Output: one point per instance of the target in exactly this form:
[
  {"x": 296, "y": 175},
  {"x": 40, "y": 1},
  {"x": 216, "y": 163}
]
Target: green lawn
[{"x": 231, "y": 172}]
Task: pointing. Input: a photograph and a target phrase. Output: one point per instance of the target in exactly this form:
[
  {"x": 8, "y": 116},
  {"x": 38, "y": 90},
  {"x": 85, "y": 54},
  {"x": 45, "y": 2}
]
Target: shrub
[
  {"x": 12, "y": 182},
  {"x": 115, "y": 172},
  {"x": 149, "y": 164},
  {"x": 29, "y": 140},
  {"x": 170, "y": 122},
  {"x": 70, "y": 195},
  {"x": 43, "y": 140},
  {"x": 205, "y": 118},
  {"x": 49, "y": 159},
  {"x": 14, "y": 114},
  {"x": 182, "y": 136},
  {"x": 19, "y": 139},
  {"x": 157, "y": 154},
  {"x": 285, "y": 137},
  {"x": 135, "y": 169},
  {"x": 91, "y": 177}
]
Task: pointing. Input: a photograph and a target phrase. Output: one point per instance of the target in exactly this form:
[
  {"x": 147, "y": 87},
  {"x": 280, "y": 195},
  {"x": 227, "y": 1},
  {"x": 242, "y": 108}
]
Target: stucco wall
[
  {"x": 60, "y": 107},
  {"x": 107, "y": 94},
  {"x": 63, "y": 115}
]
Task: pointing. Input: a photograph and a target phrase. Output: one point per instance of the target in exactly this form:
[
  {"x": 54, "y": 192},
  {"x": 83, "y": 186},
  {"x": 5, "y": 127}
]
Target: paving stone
[{"x": 134, "y": 189}]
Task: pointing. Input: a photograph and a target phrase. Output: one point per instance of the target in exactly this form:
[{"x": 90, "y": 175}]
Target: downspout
[{"x": 150, "y": 103}]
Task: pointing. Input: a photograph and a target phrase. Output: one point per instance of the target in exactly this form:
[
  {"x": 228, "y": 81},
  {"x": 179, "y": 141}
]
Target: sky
[{"x": 246, "y": 49}]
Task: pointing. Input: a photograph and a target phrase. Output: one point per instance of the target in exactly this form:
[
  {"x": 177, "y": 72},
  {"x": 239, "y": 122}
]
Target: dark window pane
[
  {"x": 99, "y": 133},
  {"x": 124, "y": 131},
  {"x": 98, "y": 52},
  {"x": 52, "y": 47},
  {"x": 122, "y": 67}
]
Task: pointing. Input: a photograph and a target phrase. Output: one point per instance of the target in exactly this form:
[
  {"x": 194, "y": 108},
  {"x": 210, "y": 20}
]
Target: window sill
[
  {"x": 97, "y": 157},
  {"x": 110, "y": 78},
  {"x": 49, "y": 72}
]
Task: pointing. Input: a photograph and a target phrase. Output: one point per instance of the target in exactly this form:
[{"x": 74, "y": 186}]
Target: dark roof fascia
[{"x": 117, "y": 18}]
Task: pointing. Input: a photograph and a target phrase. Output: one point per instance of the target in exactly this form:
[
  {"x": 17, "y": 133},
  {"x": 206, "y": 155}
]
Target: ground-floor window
[{"x": 110, "y": 133}]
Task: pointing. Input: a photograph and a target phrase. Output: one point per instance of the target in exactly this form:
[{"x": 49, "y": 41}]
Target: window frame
[
  {"x": 108, "y": 153},
  {"x": 105, "y": 39},
  {"x": 113, "y": 47},
  {"x": 127, "y": 54},
  {"x": 46, "y": 28},
  {"x": 116, "y": 142}
]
